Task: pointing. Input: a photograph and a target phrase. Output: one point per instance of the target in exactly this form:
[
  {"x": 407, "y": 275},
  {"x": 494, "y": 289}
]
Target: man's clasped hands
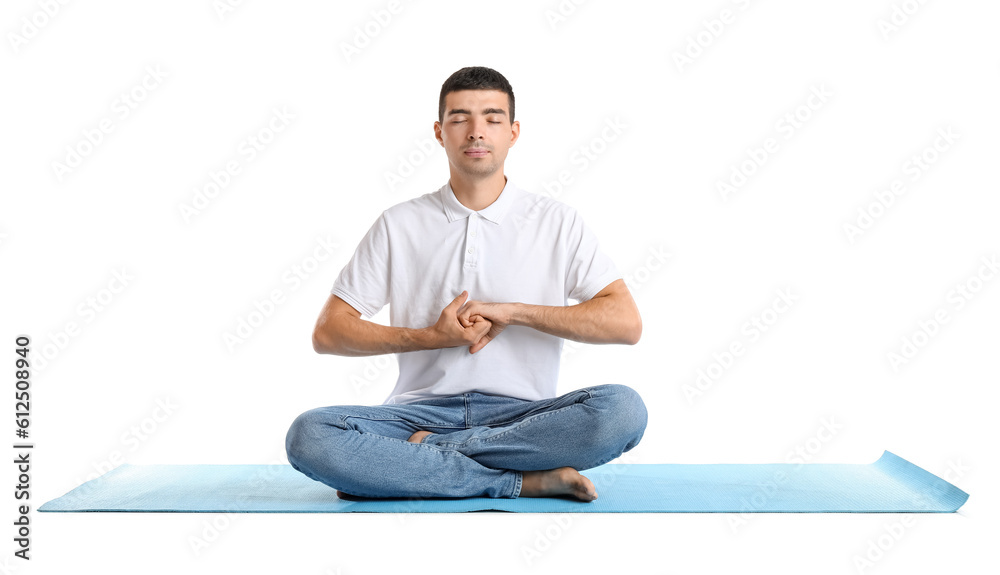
[{"x": 473, "y": 323}]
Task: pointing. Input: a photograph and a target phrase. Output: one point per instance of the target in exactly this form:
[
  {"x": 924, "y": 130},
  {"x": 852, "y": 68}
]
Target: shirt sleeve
[
  {"x": 590, "y": 269},
  {"x": 364, "y": 281}
]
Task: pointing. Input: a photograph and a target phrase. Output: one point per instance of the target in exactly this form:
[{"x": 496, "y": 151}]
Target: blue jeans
[{"x": 478, "y": 446}]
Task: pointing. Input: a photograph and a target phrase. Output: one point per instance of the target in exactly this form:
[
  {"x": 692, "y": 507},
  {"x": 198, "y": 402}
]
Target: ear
[{"x": 437, "y": 133}]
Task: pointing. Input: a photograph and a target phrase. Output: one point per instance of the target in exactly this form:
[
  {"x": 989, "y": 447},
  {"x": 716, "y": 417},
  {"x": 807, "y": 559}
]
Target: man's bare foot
[
  {"x": 418, "y": 436},
  {"x": 561, "y": 481}
]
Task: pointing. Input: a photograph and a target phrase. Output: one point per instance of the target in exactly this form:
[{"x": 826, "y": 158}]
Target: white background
[{"x": 651, "y": 188}]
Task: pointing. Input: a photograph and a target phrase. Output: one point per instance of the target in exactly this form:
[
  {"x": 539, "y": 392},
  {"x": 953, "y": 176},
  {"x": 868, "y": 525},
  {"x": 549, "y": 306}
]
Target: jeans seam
[
  {"x": 528, "y": 420},
  {"x": 468, "y": 414},
  {"x": 518, "y": 481},
  {"x": 531, "y": 419},
  {"x": 420, "y": 423},
  {"x": 522, "y": 418}
]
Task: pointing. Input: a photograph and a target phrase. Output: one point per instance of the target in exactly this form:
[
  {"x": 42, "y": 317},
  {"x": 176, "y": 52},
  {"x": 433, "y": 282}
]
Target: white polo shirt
[{"x": 524, "y": 247}]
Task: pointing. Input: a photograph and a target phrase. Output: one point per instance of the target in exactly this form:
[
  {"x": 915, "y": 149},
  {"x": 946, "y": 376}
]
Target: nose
[{"x": 477, "y": 129}]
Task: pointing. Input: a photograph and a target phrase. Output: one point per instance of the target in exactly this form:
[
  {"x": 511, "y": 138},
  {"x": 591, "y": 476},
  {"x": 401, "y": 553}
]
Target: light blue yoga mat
[{"x": 891, "y": 484}]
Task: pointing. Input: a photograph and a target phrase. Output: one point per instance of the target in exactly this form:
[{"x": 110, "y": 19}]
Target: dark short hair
[{"x": 476, "y": 78}]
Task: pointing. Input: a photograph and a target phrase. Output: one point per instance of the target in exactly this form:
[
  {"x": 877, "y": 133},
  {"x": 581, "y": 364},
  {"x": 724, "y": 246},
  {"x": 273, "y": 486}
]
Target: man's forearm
[
  {"x": 361, "y": 338},
  {"x": 606, "y": 319}
]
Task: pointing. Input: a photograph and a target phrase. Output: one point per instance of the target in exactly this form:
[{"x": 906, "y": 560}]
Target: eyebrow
[{"x": 486, "y": 111}]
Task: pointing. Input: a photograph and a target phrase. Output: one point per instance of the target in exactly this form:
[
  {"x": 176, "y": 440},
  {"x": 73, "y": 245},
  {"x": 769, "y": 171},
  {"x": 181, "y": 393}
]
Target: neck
[{"x": 478, "y": 194}]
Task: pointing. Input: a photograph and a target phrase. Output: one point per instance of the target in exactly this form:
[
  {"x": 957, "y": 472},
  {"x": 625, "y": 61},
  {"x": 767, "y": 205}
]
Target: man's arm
[
  {"x": 611, "y": 316},
  {"x": 341, "y": 331}
]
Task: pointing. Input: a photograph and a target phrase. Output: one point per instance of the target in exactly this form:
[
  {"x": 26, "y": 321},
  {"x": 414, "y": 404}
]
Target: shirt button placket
[{"x": 472, "y": 251}]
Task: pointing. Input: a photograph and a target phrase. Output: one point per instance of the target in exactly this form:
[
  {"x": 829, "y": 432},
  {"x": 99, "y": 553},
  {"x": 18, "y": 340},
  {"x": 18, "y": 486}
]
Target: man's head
[{"x": 476, "y": 121}]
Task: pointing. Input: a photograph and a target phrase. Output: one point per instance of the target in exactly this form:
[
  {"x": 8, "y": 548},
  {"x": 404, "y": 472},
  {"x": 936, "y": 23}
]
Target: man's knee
[
  {"x": 630, "y": 415},
  {"x": 304, "y": 435}
]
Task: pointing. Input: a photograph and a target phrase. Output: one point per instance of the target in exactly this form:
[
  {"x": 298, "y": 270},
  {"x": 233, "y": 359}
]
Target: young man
[{"x": 474, "y": 411}]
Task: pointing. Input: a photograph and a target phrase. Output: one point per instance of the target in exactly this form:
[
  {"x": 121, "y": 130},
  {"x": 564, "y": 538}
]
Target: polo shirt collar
[{"x": 493, "y": 212}]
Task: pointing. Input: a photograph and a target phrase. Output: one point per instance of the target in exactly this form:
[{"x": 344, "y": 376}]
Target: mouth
[{"x": 476, "y": 152}]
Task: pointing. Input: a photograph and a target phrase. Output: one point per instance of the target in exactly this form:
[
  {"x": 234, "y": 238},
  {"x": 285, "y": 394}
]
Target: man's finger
[
  {"x": 458, "y": 301},
  {"x": 487, "y": 325},
  {"x": 479, "y": 344}
]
